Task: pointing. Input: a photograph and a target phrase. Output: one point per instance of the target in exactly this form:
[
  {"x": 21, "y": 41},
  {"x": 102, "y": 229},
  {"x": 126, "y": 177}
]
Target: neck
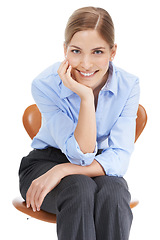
[{"x": 98, "y": 88}]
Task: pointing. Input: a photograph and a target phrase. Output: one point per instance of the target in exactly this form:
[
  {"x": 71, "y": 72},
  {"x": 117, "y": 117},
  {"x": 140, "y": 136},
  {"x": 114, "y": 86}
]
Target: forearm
[
  {"x": 93, "y": 170},
  {"x": 85, "y": 132},
  {"x": 41, "y": 186}
]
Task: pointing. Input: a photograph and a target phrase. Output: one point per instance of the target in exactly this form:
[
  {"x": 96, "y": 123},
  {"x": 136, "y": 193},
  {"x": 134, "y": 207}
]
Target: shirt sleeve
[
  {"x": 115, "y": 158},
  {"x": 57, "y": 125}
]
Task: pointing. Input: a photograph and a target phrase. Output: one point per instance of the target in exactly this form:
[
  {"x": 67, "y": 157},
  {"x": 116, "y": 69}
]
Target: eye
[
  {"x": 75, "y": 51},
  {"x": 98, "y": 52}
]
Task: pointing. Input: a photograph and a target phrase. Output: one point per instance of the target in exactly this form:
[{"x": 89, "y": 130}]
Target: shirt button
[{"x": 83, "y": 162}]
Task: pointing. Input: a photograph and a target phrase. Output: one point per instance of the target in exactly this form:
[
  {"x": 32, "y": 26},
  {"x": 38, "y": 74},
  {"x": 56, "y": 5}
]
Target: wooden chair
[{"x": 32, "y": 124}]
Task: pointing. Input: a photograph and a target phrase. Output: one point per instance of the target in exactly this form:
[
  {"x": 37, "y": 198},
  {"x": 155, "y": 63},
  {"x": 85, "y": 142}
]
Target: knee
[
  {"x": 77, "y": 190},
  {"x": 81, "y": 186},
  {"x": 113, "y": 190}
]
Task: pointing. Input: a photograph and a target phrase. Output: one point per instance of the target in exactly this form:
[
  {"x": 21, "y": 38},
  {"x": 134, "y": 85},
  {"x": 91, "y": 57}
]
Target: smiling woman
[
  {"x": 89, "y": 59},
  {"x": 83, "y": 147}
]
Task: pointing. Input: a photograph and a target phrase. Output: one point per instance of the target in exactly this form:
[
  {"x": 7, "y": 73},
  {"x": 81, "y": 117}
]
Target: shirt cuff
[
  {"x": 112, "y": 163},
  {"x": 76, "y": 156}
]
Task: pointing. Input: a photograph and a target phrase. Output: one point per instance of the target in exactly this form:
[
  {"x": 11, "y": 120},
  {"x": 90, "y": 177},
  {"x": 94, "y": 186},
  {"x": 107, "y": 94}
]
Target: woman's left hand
[{"x": 41, "y": 186}]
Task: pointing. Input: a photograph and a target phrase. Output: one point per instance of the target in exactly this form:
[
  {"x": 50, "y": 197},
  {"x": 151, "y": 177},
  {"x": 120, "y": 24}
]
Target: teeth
[{"x": 87, "y": 74}]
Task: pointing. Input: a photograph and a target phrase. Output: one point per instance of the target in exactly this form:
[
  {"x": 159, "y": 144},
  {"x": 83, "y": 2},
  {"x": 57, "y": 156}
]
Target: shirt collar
[{"x": 111, "y": 84}]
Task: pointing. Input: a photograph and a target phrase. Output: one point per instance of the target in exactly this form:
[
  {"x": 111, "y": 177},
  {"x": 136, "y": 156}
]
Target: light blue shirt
[{"x": 115, "y": 119}]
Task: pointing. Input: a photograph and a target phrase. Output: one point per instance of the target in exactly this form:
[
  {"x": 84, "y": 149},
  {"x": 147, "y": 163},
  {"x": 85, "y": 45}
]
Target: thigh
[
  {"x": 73, "y": 192},
  {"x": 36, "y": 164}
]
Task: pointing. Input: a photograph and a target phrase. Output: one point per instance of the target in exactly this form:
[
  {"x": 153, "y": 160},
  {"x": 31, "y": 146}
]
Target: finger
[
  {"x": 70, "y": 78},
  {"x": 63, "y": 69},
  {"x": 37, "y": 196},
  {"x": 32, "y": 201},
  {"x": 69, "y": 71},
  {"x": 30, "y": 197},
  {"x": 41, "y": 197},
  {"x": 33, "y": 205},
  {"x": 28, "y": 203},
  {"x": 62, "y": 66}
]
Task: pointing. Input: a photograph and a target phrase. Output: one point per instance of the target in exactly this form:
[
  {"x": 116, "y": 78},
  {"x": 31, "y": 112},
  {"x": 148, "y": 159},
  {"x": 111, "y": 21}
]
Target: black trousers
[{"x": 87, "y": 208}]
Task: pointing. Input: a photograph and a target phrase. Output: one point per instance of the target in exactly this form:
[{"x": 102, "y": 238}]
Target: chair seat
[
  {"x": 20, "y": 205},
  {"x": 134, "y": 203}
]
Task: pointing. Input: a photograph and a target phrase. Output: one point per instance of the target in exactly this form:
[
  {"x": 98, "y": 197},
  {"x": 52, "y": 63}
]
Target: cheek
[
  {"x": 103, "y": 62},
  {"x": 73, "y": 61},
  {"x": 104, "y": 65}
]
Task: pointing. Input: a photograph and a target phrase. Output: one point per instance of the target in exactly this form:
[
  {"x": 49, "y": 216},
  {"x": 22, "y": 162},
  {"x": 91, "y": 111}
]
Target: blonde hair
[{"x": 90, "y": 18}]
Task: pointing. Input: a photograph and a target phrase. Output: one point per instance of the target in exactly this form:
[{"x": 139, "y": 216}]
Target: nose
[{"x": 86, "y": 62}]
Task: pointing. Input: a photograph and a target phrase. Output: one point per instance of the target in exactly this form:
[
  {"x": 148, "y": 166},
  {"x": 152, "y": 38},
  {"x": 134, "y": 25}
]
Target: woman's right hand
[{"x": 64, "y": 72}]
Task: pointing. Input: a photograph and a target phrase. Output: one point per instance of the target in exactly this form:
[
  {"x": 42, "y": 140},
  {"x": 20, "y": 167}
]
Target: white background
[{"x": 32, "y": 35}]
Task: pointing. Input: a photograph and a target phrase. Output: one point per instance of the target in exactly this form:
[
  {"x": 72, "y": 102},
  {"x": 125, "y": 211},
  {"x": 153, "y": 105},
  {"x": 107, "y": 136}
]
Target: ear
[
  {"x": 113, "y": 52},
  {"x": 65, "y": 49}
]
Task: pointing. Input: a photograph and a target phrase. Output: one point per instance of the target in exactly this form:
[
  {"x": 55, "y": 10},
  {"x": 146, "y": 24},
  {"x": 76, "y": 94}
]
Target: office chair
[{"x": 32, "y": 124}]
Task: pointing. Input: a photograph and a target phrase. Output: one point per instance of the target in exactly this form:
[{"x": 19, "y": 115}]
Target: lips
[{"x": 87, "y": 74}]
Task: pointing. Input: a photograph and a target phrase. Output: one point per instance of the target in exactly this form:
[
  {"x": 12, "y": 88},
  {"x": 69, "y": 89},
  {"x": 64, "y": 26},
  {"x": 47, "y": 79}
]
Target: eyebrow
[{"x": 91, "y": 49}]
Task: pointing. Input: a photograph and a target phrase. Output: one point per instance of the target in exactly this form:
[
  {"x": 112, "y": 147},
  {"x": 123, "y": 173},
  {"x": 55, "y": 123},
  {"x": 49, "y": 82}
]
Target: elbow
[
  {"x": 120, "y": 166},
  {"x": 85, "y": 146},
  {"x": 87, "y": 149}
]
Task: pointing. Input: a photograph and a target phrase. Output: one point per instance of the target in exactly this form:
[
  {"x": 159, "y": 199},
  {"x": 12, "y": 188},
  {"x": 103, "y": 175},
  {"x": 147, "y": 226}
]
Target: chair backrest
[
  {"x": 32, "y": 120},
  {"x": 140, "y": 121}
]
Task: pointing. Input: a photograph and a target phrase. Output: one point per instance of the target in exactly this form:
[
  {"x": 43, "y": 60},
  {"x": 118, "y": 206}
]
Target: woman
[{"x": 83, "y": 148}]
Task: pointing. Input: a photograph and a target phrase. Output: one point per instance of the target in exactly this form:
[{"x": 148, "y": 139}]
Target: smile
[{"x": 87, "y": 74}]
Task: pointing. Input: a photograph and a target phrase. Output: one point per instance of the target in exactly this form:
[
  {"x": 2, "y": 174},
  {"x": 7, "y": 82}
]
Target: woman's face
[{"x": 89, "y": 55}]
